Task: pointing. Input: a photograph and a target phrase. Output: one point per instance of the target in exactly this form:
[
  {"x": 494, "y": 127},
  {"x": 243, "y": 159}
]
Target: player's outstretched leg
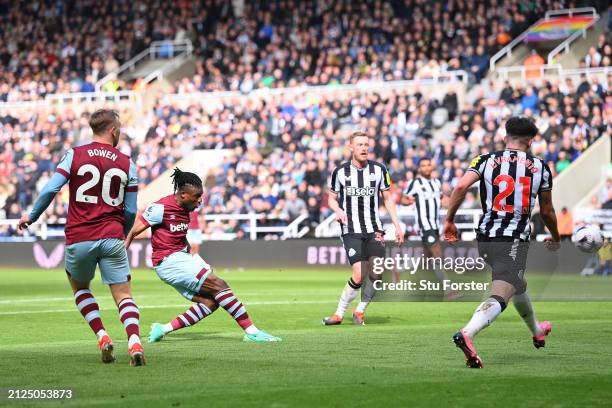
[
  {"x": 539, "y": 330},
  {"x": 236, "y": 309},
  {"x": 89, "y": 309},
  {"x": 224, "y": 296},
  {"x": 191, "y": 316}
]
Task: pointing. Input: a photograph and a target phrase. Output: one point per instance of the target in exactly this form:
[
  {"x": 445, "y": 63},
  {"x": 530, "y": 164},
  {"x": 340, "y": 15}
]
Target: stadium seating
[
  {"x": 245, "y": 45},
  {"x": 298, "y": 134},
  {"x": 62, "y": 46}
]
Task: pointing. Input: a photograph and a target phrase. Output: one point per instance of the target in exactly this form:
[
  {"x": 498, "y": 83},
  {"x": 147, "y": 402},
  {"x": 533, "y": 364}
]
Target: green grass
[{"x": 403, "y": 356}]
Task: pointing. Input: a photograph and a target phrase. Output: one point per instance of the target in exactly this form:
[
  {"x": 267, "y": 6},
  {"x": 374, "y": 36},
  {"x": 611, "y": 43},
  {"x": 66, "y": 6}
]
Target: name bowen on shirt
[{"x": 102, "y": 153}]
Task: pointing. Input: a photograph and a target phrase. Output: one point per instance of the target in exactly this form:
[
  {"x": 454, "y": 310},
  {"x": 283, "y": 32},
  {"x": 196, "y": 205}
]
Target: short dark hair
[
  {"x": 102, "y": 119},
  {"x": 422, "y": 159},
  {"x": 182, "y": 178},
  {"x": 521, "y": 127}
]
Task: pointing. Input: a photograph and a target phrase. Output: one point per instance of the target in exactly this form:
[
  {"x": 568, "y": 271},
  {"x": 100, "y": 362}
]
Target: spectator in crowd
[
  {"x": 533, "y": 65},
  {"x": 565, "y": 224}
]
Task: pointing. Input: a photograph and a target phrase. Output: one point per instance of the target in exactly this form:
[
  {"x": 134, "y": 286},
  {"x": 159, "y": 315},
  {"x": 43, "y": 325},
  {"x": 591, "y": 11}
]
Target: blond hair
[{"x": 357, "y": 134}]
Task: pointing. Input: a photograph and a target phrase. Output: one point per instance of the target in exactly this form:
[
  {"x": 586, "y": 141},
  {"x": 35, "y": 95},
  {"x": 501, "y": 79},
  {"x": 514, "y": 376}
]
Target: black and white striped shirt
[
  {"x": 358, "y": 195},
  {"x": 510, "y": 181},
  {"x": 427, "y": 195}
]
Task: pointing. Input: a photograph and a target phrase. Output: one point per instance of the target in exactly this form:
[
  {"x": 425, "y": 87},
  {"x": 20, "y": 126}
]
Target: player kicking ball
[
  {"x": 101, "y": 210},
  {"x": 510, "y": 181},
  {"x": 189, "y": 274}
]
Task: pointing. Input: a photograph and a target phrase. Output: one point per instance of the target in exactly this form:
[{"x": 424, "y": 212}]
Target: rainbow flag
[{"x": 557, "y": 28}]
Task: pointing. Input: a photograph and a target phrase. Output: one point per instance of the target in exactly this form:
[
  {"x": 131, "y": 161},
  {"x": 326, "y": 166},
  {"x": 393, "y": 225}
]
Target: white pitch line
[
  {"x": 296, "y": 302},
  {"x": 105, "y": 297}
]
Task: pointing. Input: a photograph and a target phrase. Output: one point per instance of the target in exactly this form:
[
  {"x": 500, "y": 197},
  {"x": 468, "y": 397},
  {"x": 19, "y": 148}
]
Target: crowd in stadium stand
[
  {"x": 292, "y": 42},
  {"x": 292, "y": 143},
  {"x": 600, "y": 55},
  {"x": 287, "y": 144},
  {"x": 66, "y": 46}
]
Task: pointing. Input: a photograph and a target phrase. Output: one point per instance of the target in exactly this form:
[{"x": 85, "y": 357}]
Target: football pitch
[{"x": 404, "y": 355}]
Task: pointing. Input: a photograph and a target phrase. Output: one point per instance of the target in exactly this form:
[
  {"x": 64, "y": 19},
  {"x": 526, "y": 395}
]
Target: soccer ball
[{"x": 588, "y": 238}]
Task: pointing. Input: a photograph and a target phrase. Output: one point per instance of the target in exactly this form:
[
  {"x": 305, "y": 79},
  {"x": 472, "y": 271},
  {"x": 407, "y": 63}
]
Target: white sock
[
  {"x": 251, "y": 329},
  {"x": 348, "y": 295},
  {"x": 101, "y": 333},
  {"x": 523, "y": 306},
  {"x": 484, "y": 315},
  {"x": 167, "y": 328},
  {"x": 133, "y": 340},
  {"x": 361, "y": 307}
]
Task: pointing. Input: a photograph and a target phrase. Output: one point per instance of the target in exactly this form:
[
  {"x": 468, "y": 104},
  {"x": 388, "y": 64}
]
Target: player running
[
  {"x": 425, "y": 192},
  {"x": 168, "y": 219},
  {"x": 102, "y": 207},
  {"x": 357, "y": 184},
  {"x": 510, "y": 181}
]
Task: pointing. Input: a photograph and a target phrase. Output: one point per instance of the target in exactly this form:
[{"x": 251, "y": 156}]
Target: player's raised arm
[
  {"x": 153, "y": 215},
  {"x": 458, "y": 195},
  {"x": 53, "y": 186}
]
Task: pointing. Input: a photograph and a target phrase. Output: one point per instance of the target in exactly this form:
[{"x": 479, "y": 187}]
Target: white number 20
[{"x": 106, "y": 185}]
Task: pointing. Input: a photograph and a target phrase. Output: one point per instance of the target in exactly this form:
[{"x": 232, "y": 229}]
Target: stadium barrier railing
[
  {"x": 255, "y": 225},
  {"x": 467, "y": 221},
  {"x": 548, "y": 72},
  {"x": 75, "y": 98},
  {"x": 166, "y": 49},
  {"x": 205, "y": 98}
]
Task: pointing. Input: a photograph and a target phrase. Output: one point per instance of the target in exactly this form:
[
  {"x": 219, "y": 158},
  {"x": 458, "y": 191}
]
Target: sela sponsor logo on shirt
[
  {"x": 360, "y": 191},
  {"x": 179, "y": 227}
]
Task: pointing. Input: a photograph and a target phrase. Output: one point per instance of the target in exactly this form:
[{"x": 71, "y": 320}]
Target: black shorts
[
  {"x": 430, "y": 237},
  {"x": 361, "y": 247},
  {"x": 507, "y": 257}
]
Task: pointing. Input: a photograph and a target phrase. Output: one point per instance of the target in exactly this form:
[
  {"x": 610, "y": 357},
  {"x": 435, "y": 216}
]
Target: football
[{"x": 588, "y": 238}]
